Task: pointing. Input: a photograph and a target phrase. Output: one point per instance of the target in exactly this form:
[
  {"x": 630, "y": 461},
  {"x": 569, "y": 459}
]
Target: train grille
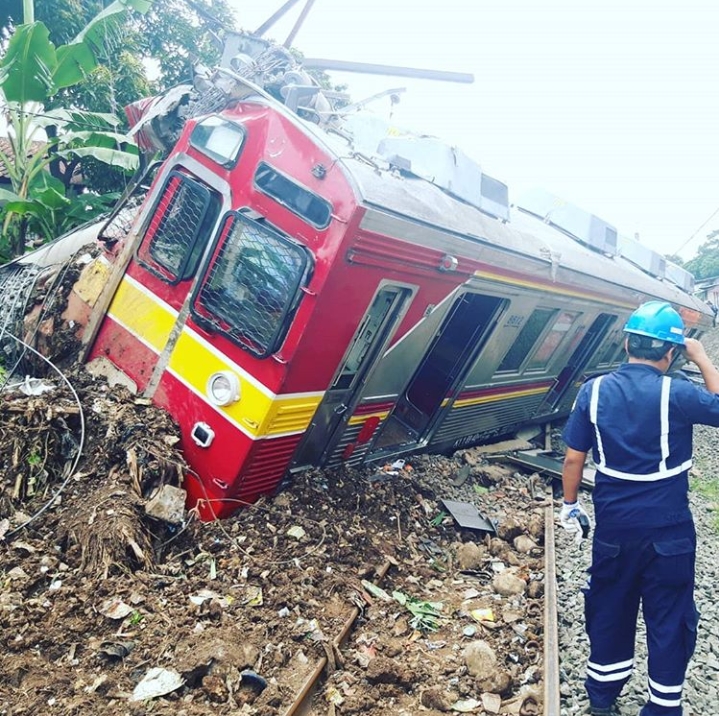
[
  {"x": 486, "y": 417},
  {"x": 357, "y": 456},
  {"x": 266, "y": 467}
]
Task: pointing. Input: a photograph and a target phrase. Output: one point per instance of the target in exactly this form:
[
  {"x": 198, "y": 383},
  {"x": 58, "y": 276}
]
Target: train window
[
  {"x": 300, "y": 201},
  {"x": 252, "y": 288},
  {"x": 379, "y": 318},
  {"x": 219, "y": 140},
  {"x": 185, "y": 212},
  {"x": 527, "y": 337},
  {"x": 607, "y": 356},
  {"x": 552, "y": 340}
]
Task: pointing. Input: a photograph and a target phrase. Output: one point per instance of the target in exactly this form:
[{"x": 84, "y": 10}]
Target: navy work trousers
[{"x": 654, "y": 567}]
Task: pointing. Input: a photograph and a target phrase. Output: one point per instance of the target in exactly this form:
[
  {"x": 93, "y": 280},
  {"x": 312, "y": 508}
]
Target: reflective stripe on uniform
[
  {"x": 664, "y": 702},
  {"x": 666, "y": 689},
  {"x": 663, "y": 472},
  {"x": 664, "y": 430},
  {"x": 603, "y": 672}
]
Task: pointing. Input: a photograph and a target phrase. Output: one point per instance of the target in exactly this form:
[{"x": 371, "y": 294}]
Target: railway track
[{"x": 307, "y": 701}]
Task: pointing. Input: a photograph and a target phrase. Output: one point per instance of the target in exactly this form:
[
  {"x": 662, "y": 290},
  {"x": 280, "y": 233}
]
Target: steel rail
[
  {"x": 551, "y": 637},
  {"x": 302, "y": 701},
  {"x": 304, "y": 695}
]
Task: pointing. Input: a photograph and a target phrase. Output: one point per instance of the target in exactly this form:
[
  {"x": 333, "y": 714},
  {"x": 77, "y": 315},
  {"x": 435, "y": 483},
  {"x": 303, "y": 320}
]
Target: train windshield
[{"x": 251, "y": 290}]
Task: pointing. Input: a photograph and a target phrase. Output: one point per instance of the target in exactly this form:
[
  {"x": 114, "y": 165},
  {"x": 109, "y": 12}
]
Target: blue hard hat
[{"x": 657, "y": 319}]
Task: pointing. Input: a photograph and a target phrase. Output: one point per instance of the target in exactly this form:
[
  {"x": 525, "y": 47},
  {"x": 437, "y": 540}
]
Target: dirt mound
[
  {"x": 100, "y": 601},
  {"x": 109, "y": 606}
]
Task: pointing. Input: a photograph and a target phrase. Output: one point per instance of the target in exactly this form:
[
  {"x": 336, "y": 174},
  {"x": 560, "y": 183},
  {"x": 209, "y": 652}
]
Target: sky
[{"x": 612, "y": 105}]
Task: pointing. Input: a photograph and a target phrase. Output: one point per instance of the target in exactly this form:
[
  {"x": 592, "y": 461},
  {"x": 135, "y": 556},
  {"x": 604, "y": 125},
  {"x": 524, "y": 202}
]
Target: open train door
[
  {"x": 576, "y": 364},
  {"x": 369, "y": 342},
  {"x": 451, "y": 353}
]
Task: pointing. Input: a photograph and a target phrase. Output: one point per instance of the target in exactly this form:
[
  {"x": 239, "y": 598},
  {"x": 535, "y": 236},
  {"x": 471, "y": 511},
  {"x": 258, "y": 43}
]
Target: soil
[
  {"x": 109, "y": 605},
  {"x": 105, "y": 609}
]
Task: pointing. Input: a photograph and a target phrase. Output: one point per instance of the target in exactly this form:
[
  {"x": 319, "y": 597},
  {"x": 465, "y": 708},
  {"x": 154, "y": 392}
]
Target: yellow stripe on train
[
  {"x": 258, "y": 413},
  {"x": 461, "y": 403},
  {"x": 144, "y": 316},
  {"x": 357, "y": 419},
  {"x": 537, "y": 285}
]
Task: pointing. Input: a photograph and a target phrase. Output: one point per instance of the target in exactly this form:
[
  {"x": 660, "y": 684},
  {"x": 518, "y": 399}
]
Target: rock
[
  {"x": 438, "y": 700},
  {"x": 215, "y": 688},
  {"x": 535, "y": 526},
  {"x": 168, "y": 505},
  {"x": 480, "y": 659},
  {"x": 535, "y": 589},
  {"x": 470, "y": 556},
  {"x": 491, "y": 703},
  {"x": 508, "y": 584},
  {"x": 498, "y": 548},
  {"x": 524, "y": 544},
  {"x": 498, "y": 682},
  {"x": 509, "y": 529}
]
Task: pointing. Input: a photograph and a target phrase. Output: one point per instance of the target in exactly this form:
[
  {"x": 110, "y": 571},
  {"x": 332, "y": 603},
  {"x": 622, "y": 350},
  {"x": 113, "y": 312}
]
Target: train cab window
[
  {"x": 552, "y": 340},
  {"x": 527, "y": 337},
  {"x": 252, "y": 287},
  {"x": 183, "y": 216},
  {"x": 300, "y": 201},
  {"x": 219, "y": 140}
]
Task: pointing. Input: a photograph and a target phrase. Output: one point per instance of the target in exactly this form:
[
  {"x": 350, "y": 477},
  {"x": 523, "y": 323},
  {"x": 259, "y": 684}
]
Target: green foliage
[
  {"x": 706, "y": 262},
  {"x": 178, "y": 34},
  {"x": 425, "y": 615},
  {"x": 34, "y": 459},
  {"x": 33, "y": 71}
]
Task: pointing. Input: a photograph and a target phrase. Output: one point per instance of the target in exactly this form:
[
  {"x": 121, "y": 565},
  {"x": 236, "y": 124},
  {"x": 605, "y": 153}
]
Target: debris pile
[{"x": 111, "y": 602}]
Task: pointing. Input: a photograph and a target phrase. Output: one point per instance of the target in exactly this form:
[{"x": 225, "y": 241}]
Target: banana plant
[{"x": 32, "y": 71}]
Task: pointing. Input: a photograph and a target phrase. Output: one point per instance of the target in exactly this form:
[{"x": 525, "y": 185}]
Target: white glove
[{"x": 575, "y": 520}]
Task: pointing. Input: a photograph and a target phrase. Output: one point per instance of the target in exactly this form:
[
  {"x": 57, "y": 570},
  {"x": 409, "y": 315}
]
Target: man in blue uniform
[{"x": 638, "y": 423}]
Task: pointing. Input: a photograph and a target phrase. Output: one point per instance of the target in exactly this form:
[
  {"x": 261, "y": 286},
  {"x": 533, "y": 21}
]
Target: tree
[
  {"x": 174, "y": 34},
  {"x": 706, "y": 262},
  {"x": 32, "y": 72},
  {"x": 169, "y": 38},
  {"x": 675, "y": 259}
]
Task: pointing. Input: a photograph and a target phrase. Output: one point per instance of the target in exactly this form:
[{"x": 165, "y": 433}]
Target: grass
[{"x": 708, "y": 488}]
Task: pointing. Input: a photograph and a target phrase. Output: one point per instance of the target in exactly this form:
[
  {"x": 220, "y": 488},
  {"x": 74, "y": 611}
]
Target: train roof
[
  {"x": 385, "y": 189},
  {"x": 419, "y": 200}
]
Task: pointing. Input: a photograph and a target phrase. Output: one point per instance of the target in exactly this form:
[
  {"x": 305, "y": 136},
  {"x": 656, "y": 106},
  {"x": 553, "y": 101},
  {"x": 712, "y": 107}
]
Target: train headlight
[{"x": 223, "y": 388}]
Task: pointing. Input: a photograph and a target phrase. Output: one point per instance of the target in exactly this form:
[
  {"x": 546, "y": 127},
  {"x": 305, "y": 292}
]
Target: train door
[
  {"x": 372, "y": 336},
  {"x": 450, "y": 354},
  {"x": 577, "y": 362}
]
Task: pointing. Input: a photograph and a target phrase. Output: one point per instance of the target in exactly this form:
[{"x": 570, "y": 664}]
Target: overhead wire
[{"x": 704, "y": 223}]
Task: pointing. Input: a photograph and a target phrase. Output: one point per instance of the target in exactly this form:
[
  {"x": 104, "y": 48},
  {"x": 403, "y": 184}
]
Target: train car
[{"x": 293, "y": 301}]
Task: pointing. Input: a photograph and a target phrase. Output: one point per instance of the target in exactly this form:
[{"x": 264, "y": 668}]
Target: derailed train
[{"x": 294, "y": 301}]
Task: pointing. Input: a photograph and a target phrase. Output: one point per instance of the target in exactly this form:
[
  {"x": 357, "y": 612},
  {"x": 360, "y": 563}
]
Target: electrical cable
[
  {"x": 69, "y": 468},
  {"x": 57, "y": 282}
]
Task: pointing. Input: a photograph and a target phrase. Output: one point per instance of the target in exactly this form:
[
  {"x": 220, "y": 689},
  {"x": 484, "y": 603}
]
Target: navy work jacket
[{"x": 638, "y": 424}]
